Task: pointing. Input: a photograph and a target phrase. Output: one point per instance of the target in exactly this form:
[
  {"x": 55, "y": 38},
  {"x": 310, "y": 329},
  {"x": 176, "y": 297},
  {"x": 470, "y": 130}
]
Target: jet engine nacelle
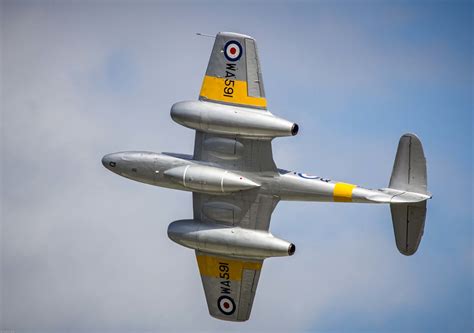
[
  {"x": 231, "y": 120},
  {"x": 227, "y": 240},
  {"x": 207, "y": 179}
]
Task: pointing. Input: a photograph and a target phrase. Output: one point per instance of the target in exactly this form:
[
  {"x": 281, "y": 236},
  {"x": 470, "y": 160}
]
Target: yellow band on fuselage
[
  {"x": 230, "y": 91},
  {"x": 343, "y": 192},
  {"x": 218, "y": 266}
]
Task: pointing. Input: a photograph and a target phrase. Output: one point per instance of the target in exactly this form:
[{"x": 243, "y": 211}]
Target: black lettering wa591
[
  {"x": 225, "y": 276},
  {"x": 230, "y": 80}
]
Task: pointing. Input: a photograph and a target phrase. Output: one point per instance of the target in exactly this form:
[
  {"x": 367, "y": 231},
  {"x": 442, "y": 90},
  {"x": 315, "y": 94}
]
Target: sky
[{"x": 83, "y": 250}]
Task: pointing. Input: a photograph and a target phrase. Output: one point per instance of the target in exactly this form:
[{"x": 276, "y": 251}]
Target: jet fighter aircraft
[{"x": 236, "y": 184}]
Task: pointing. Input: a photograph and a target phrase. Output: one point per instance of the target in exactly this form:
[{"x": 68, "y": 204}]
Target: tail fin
[{"x": 409, "y": 175}]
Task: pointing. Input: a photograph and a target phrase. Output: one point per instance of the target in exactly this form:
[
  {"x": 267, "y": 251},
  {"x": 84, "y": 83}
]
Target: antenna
[{"x": 205, "y": 35}]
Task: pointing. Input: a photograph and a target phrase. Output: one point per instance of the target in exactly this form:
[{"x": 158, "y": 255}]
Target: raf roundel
[
  {"x": 233, "y": 50},
  {"x": 226, "y": 305}
]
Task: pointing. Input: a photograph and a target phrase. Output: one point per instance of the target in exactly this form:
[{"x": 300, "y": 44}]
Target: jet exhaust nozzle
[{"x": 294, "y": 129}]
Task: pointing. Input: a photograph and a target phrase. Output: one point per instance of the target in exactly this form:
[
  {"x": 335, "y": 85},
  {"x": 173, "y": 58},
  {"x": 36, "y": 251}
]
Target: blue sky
[{"x": 84, "y": 250}]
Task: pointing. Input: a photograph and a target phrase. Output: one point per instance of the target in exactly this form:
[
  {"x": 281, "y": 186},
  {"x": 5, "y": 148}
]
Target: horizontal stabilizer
[
  {"x": 408, "y": 188},
  {"x": 409, "y": 168},
  {"x": 408, "y": 225}
]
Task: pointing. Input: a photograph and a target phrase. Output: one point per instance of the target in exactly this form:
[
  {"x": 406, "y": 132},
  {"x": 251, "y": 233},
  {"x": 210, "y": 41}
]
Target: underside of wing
[
  {"x": 229, "y": 285},
  {"x": 234, "y": 153},
  {"x": 249, "y": 209}
]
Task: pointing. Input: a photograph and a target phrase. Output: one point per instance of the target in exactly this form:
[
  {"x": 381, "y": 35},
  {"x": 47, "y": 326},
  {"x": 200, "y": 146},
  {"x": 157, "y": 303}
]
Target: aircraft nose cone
[{"x": 109, "y": 161}]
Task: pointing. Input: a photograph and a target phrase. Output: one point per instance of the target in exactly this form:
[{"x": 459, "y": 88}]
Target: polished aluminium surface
[
  {"x": 208, "y": 179},
  {"x": 227, "y": 240},
  {"x": 236, "y": 184},
  {"x": 169, "y": 171},
  {"x": 231, "y": 120}
]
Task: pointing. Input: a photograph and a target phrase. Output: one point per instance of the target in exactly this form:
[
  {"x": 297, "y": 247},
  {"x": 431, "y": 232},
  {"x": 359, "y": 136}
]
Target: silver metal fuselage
[{"x": 154, "y": 169}]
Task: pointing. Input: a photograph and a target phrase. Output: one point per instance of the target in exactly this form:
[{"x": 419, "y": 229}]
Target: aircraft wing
[
  {"x": 235, "y": 153},
  {"x": 233, "y": 77},
  {"x": 230, "y": 283}
]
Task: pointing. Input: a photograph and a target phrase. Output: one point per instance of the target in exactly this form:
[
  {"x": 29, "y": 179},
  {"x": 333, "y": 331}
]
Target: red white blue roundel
[
  {"x": 233, "y": 50},
  {"x": 226, "y": 305}
]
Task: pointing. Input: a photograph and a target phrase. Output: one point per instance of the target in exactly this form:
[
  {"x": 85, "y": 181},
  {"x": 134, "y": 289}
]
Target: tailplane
[
  {"x": 409, "y": 178},
  {"x": 408, "y": 225},
  {"x": 409, "y": 168}
]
